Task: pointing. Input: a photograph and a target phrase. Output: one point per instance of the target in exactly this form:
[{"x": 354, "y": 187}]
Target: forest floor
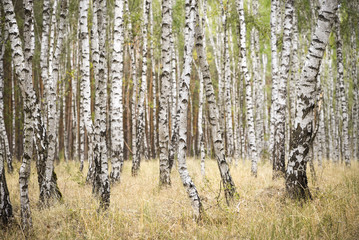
[{"x": 141, "y": 210}]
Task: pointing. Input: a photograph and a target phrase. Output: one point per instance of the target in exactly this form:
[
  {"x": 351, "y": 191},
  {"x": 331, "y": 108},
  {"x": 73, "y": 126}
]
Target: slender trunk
[
  {"x": 134, "y": 84},
  {"x": 45, "y": 47},
  {"x": 200, "y": 123},
  {"x": 249, "y": 103},
  {"x": 101, "y": 186},
  {"x": 47, "y": 189},
  {"x": 355, "y": 110},
  {"x": 213, "y": 116},
  {"x": 85, "y": 99},
  {"x": 190, "y": 10},
  {"x": 116, "y": 94},
  {"x": 74, "y": 130},
  {"x": 275, "y": 73},
  {"x": 13, "y": 113},
  {"x": 140, "y": 131},
  {"x": 23, "y": 70},
  {"x": 294, "y": 73},
  {"x": 6, "y": 151},
  {"x": 154, "y": 85},
  {"x": 342, "y": 95},
  {"x": 258, "y": 98},
  {"x": 227, "y": 94},
  {"x": 5, "y": 204},
  {"x": 279, "y": 103},
  {"x": 303, "y": 132},
  {"x": 164, "y": 94}
]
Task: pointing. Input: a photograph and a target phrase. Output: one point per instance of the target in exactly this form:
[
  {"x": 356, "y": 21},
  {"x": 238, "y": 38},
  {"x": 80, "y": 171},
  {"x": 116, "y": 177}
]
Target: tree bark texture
[
  {"x": 213, "y": 117},
  {"x": 101, "y": 185},
  {"x": 116, "y": 94},
  {"x": 163, "y": 122},
  {"x": 280, "y": 100},
  {"x": 302, "y": 133},
  {"x": 249, "y": 99},
  {"x": 190, "y": 12}
]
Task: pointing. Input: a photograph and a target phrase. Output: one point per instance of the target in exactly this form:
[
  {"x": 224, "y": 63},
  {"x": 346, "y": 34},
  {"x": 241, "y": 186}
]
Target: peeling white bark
[
  {"x": 140, "y": 131},
  {"x": 163, "y": 122},
  {"x": 190, "y": 13},
  {"x": 249, "y": 102},
  {"x": 24, "y": 74},
  {"x": 6, "y": 152},
  {"x": 5, "y": 204},
  {"x": 101, "y": 185},
  {"x": 342, "y": 95},
  {"x": 47, "y": 187},
  {"x": 302, "y": 133},
  {"x": 116, "y": 94},
  {"x": 213, "y": 117},
  {"x": 280, "y": 100},
  {"x": 85, "y": 91}
]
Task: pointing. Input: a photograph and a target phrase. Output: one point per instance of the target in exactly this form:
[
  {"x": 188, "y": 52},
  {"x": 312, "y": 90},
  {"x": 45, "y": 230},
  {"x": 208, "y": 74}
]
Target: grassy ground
[{"x": 140, "y": 210}]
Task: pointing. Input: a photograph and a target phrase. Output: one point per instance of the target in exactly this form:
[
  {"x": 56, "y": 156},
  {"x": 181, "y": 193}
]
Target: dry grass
[{"x": 140, "y": 210}]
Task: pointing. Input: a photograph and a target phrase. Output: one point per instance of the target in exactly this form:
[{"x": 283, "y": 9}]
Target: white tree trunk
[
  {"x": 140, "y": 132},
  {"x": 342, "y": 95},
  {"x": 46, "y": 189},
  {"x": 258, "y": 98},
  {"x": 213, "y": 117},
  {"x": 249, "y": 102},
  {"x": 85, "y": 90},
  {"x": 23, "y": 70},
  {"x": 275, "y": 71},
  {"x": 101, "y": 186},
  {"x": 227, "y": 95},
  {"x": 6, "y": 154},
  {"x": 294, "y": 72},
  {"x": 74, "y": 65},
  {"x": 190, "y": 13},
  {"x": 280, "y": 100},
  {"x": 116, "y": 94},
  {"x": 200, "y": 123},
  {"x": 303, "y": 131},
  {"x": 5, "y": 204},
  {"x": 164, "y": 94},
  {"x": 154, "y": 85}
]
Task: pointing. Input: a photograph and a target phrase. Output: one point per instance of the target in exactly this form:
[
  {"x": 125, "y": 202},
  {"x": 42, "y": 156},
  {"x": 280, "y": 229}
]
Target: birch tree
[
  {"x": 200, "y": 123},
  {"x": 5, "y": 204},
  {"x": 101, "y": 186},
  {"x": 47, "y": 188},
  {"x": 249, "y": 100},
  {"x": 190, "y": 13},
  {"x": 213, "y": 116},
  {"x": 116, "y": 94},
  {"x": 355, "y": 109},
  {"x": 45, "y": 50},
  {"x": 279, "y": 101},
  {"x": 302, "y": 133},
  {"x": 24, "y": 74},
  {"x": 164, "y": 93},
  {"x": 85, "y": 104},
  {"x": 140, "y": 132},
  {"x": 6, "y": 152},
  {"x": 227, "y": 93},
  {"x": 342, "y": 93},
  {"x": 275, "y": 71},
  {"x": 154, "y": 86}
]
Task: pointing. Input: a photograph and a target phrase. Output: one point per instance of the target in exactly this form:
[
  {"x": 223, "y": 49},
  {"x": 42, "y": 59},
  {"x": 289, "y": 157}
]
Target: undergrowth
[{"x": 141, "y": 210}]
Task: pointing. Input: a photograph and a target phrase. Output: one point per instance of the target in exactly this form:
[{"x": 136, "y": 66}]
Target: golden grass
[{"x": 140, "y": 210}]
